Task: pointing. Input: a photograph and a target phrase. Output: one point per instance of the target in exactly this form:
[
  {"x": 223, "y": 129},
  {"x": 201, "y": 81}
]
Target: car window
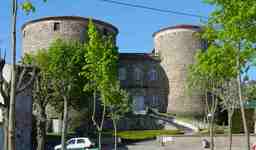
[
  {"x": 72, "y": 141},
  {"x": 80, "y": 141}
]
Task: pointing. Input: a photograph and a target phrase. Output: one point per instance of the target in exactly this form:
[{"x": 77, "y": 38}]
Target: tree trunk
[
  {"x": 64, "y": 124},
  {"x": 102, "y": 123},
  {"x": 11, "y": 128},
  {"x": 247, "y": 135},
  {"x": 94, "y": 109},
  {"x": 94, "y": 121},
  {"x": 99, "y": 139},
  {"x": 115, "y": 129},
  {"x": 230, "y": 130},
  {"x": 41, "y": 129},
  {"x": 212, "y": 132},
  {"x": 6, "y": 119}
]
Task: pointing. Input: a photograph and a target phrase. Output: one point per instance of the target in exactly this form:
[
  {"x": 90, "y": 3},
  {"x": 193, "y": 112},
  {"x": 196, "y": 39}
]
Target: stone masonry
[
  {"x": 176, "y": 47},
  {"x": 38, "y": 34}
]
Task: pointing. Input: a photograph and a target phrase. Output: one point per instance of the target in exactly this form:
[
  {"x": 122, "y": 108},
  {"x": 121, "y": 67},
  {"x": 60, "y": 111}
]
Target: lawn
[{"x": 146, "y": 134}]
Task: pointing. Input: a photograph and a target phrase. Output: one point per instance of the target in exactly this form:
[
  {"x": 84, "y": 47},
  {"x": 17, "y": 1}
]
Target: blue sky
[{"x": 135, "y": 25}]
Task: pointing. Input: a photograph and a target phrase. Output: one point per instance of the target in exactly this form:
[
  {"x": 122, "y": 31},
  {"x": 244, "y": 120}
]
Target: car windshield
[
  {"x": 80, "y": 141},
  {"x": 72, "y": 141}
]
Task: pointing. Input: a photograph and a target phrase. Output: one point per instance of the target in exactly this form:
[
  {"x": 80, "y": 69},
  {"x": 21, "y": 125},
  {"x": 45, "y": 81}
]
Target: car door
[
  {"x": 80, "y": 143},
  {"x": 71, "y": 144}
]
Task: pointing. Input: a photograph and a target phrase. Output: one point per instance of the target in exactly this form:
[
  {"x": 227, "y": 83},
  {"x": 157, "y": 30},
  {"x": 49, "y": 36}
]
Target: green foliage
[
  {"x": 79, "y": 122},
  {"x": 65, "y": 63},
  {"x": 216, "y": 64},
  {"x": 230, "y": 33},
  {"x": 39, "y": 59},
  {"x": 146, "y": 134},
  {"x": 249, "y": 90},
  {"x": 237, "y": 125},
  {"x": 138, "y": 122},
  {"x": 118, "y": 103},
  {"x": 231, "y": 23},
  {"x": 62, "y": 62},
  {"x": 101, "y": 61},
  {"x": 28, "y": 7}
]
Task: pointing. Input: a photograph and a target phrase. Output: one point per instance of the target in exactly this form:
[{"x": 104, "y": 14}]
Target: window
[
  {"x": 138, "y": 104},
  {"x": 105, "y": 32},
  {"x": 152, "y": 74},
  {"x": 80, "y": 141},
  {"x": 137, "y": 74},
  {"x": 72, "y": 141},
  {"x": 56, "y": 26},
  {"x": 155, "y": 100},
  {"x": 122, "y": 74}
]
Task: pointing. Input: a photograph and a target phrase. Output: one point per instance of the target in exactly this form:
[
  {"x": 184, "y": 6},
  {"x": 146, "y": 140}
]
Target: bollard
[{"x": 205, "y": 143}]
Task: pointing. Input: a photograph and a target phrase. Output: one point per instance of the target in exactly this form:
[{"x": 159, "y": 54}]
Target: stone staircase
[{"x": 172, "y": 123}]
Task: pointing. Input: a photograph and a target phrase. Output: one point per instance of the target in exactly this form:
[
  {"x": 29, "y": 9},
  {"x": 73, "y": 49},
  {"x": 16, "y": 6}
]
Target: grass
[
  {"x": 146, "y": 134},
  {"x": 216, "y": 131}
]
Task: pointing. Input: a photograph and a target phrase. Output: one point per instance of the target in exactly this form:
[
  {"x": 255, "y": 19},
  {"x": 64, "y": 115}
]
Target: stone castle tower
[
  {"x": 38, "y": 34},
  {"x": 176, "y": 47},
  {"x": 165, "y": 87}
]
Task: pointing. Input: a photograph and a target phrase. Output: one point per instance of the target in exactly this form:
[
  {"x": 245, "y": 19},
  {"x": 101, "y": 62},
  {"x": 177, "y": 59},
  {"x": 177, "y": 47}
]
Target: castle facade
[{"x": 156, "y": 79}]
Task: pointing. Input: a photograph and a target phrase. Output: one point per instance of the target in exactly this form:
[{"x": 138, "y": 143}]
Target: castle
[{"x": 155, "y": 79}]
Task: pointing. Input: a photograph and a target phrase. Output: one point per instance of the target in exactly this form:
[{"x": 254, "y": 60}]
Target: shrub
[{"x": 146, "y": 134}]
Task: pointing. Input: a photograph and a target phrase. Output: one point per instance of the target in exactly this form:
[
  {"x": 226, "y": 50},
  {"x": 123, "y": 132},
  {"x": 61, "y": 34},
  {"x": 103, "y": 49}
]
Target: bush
[
  {"x": 146, "y": 134},
  {"x": 139, "y": 122}
]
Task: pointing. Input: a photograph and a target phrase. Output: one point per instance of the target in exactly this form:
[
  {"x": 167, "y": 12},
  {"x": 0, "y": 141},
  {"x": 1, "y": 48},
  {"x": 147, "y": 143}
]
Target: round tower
[
  {"x": 38, "y": 34},
  {"x": 176, "y": 47}
]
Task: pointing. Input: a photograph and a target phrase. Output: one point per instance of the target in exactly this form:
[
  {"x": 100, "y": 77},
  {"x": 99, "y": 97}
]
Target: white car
[{"x": 81, "y": 143}]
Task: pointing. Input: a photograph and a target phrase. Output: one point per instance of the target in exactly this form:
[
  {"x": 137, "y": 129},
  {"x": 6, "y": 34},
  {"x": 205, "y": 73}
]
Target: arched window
[
  {"x": 122, "y": 74},
  {"x": 152, "y": 75},
  {"x": 137, "y": 74}
]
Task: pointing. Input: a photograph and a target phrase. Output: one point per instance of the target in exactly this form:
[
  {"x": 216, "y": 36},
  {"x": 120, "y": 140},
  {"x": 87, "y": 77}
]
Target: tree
[
  {"x": 211, "y": 70},
  {"x": 42, "y": 93},
  {"x": 64, "y": 67},
  {"x": 100, "y": 70},
  {"x": 118, "y": 105},
  {"x": 232, "y": 24},
  {"x": 229, "y": 96}
]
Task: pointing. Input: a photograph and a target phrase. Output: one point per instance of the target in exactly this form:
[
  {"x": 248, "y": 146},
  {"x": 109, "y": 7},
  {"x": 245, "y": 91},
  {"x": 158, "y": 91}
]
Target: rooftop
[
  {"x": 69, "y": 18},
  {"x": 181, "y": 26}
]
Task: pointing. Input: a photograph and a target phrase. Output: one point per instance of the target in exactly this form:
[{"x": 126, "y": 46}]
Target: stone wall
[
  {"x": 176, "y": 47},
  {"x": 151, "y": 89}
]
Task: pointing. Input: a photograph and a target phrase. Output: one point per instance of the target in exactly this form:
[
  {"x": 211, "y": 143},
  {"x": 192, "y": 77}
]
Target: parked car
[{"x": 80, "y": 143}]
